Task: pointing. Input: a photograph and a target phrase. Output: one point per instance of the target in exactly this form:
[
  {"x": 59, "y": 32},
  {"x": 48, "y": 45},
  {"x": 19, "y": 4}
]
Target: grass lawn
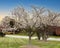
[{"x": 16, "y": 43}]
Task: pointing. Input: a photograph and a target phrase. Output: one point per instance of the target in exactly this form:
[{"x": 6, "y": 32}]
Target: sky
[{"x": 7, "y": 5}]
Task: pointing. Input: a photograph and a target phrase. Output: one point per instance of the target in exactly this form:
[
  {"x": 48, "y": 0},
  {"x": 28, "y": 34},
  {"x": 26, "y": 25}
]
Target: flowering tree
[{"x": 36, "y": 21}]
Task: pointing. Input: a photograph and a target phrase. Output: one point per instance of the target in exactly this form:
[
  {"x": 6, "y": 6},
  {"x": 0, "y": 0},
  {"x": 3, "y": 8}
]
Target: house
[{"x": 55, "y": 30}]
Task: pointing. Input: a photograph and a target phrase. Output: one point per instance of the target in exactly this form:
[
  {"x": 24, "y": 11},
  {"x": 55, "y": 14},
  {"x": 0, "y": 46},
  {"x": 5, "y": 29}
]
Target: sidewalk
[{"x": 26, "y": 37}]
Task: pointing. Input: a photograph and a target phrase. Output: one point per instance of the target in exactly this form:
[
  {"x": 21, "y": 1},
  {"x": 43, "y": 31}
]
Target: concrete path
[
  {"x": 26, "y": 37},
  {"x": 17, "y": 36}
]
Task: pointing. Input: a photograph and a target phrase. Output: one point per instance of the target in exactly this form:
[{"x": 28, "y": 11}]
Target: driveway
[{"x": 26, "y": 37}]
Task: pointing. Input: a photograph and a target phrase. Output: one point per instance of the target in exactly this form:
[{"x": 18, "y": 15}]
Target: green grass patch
[
  {"x": 6, "y": 42},
  {"x": 55, "y": 36}
]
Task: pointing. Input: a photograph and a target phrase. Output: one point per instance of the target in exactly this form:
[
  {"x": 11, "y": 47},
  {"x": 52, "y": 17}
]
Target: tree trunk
[
  {"x": 38, "y": 35},
  {"x": 29, "y": 38},
  {"x": 44, "y": 36}
]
